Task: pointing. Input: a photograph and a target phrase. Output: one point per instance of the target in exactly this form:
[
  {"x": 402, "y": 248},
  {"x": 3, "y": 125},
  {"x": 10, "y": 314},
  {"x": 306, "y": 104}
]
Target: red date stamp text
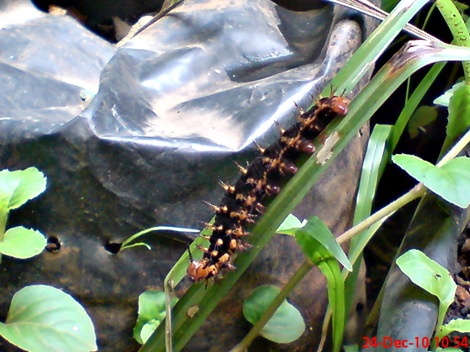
[{"x": 416, "y": 342}]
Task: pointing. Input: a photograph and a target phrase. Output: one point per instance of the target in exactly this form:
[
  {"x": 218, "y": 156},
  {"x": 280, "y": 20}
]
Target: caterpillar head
[
  {"x": 201, "y": 270},
  {"x": 338, "y": 104}
]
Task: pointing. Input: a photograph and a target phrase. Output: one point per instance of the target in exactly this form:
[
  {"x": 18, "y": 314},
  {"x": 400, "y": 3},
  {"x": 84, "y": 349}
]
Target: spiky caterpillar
[{"x": 243, "y": 202}]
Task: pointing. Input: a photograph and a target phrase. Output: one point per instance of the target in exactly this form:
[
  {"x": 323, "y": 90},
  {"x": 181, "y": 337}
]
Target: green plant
[
  {"x": 430, "y": 276},
  {"x": 16, "y": 188},
  {"x": 41, "y": 317},
  {"x": 409, "y": 59},
  {"x": 435, "y": 279}
]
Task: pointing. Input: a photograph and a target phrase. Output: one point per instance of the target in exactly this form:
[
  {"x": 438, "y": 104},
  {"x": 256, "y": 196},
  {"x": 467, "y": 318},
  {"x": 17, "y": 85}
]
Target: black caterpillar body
[{"x": 243, "y": 202}]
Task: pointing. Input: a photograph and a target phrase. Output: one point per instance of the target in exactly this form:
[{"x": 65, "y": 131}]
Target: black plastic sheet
[{"x": 176, "y": 106}]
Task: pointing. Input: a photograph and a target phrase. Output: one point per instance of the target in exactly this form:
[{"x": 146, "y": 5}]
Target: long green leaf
[{"x": 325, "y": 257}]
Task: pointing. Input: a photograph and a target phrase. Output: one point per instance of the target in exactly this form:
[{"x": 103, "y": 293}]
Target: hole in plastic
[
  {"x": 53, "y": 244},
  {"x": 112, "y": 247}
]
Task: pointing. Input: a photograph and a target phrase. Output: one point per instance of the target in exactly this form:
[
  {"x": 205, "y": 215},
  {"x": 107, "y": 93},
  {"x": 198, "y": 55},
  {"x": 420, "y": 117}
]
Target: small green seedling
[
  {"x": 126, "y": 244},
  {"x": 16, "y": 188},
  {"x": 43, "y": 318},
  {"x": 430, "y": 276},
  {"x": 151, "y": 314},
  {"x": 286, "y": 325}
]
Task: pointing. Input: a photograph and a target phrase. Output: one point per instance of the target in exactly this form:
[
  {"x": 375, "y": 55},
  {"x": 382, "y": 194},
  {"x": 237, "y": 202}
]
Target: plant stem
[
  {"x": 457, "y": 26},
  {"x": 456, "y": 149},
  {"x": 3, "y": 222},
  {"x": 268, "y": 313},
  {"x": 414, "y": 193},
  {"x": 168, "y": 327}
]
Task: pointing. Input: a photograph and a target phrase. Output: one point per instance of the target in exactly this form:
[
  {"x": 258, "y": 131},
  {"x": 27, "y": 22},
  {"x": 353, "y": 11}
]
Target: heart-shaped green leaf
[
  {"x": 22, "y": 243},
  {"x": 286, "y": 325},
  {"x": 45, "y": 319},
  {"x": 427, "y": 274},
  {"x": 451, "y": 181},
  {"x": 430, "y": 276}
]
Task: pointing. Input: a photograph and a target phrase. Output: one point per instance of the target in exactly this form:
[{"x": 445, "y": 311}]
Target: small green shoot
[
  {"x": 16, "y": 188},
  {"x": 151, "y": 314},
  {"x": 126, "y": 244},
  {"x": 43, "y": 318},
  {"x": 430, "y": 276},
  {"x": 451, "y": 181},
  {"x": 286, "y": 325}
]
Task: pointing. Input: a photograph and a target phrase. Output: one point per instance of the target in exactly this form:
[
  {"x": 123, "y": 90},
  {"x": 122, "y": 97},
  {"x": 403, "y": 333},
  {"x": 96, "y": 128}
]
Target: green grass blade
[
  {"x": 375, "y": 45},
  {"x": 376, "y": 156},
  {"x": 374, "y": 162}
]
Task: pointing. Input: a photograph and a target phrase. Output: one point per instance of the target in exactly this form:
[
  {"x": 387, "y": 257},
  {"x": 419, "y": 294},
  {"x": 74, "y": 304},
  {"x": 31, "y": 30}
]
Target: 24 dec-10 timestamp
[{"x": 416, "y": 342}]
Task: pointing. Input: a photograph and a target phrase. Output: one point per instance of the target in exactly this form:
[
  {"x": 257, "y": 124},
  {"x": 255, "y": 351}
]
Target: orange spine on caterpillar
[{"x": 242, "y": 202}]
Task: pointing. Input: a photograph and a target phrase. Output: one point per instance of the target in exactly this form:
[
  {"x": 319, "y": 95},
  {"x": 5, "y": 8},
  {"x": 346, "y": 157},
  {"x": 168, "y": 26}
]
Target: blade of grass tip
[
  {"x": 359, "y": 64},
  {"x": 376, "y": 158},
  {"x": 370, "y": 9}
]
